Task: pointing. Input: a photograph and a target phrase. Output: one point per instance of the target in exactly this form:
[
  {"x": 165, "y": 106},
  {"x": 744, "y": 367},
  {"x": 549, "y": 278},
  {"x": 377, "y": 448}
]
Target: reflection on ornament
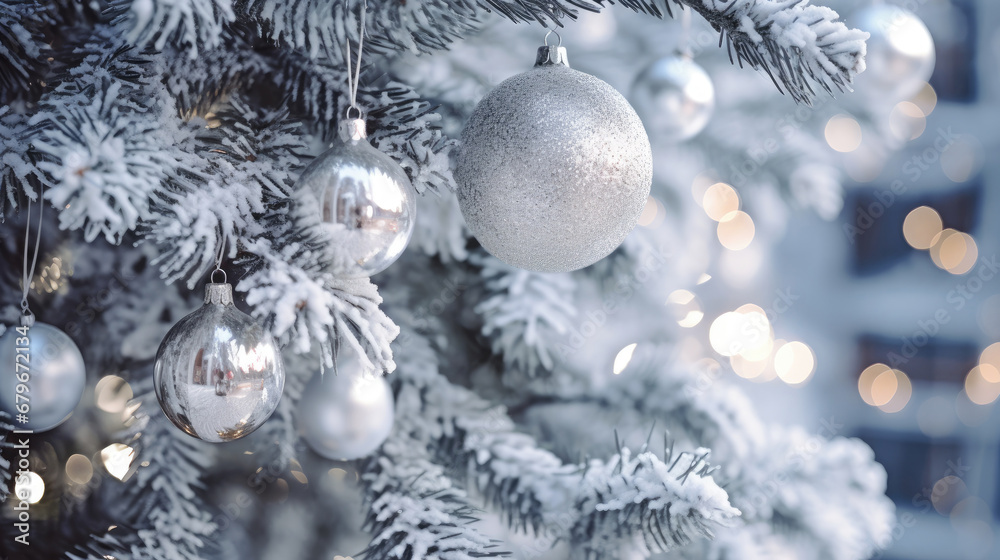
[
  {"x": 346, "y": 414},
  {"x": 900, "y": 56},
  {"x": 218, "y": 374},
  {"x": 363, "y": 201},
  {"x": 50, "y": 368},
  {"x": 675, "y": 98},
  {"x": 555, "y": 168}
]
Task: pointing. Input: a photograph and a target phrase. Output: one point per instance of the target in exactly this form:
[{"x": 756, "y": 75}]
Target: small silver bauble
[
  {"x": 675, "y": 98},
  {"x": 363, "y": 201},
  {"x": 555, "y": 168},
  {"x": 218, "y": 374},
  {"x": 49, "y": 365},
  {"x": 900, "y": 55},
  {"x": 346, "y": 414}
]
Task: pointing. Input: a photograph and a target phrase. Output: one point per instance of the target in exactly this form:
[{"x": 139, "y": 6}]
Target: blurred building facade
[{"x": 869, "y": 302}]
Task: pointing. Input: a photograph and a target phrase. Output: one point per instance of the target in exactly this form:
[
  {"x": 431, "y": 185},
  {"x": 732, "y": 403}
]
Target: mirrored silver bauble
[
  {"x": 346, "y": 414},
  {"x": 363, "y": 201},
  {"x": 675, "y": 98},
  {"x": 555, "y": 168},
  {"x": 56, "y": 376},
  {"x": 218, "y": 373},
  {"x": 901, "y": 54}
]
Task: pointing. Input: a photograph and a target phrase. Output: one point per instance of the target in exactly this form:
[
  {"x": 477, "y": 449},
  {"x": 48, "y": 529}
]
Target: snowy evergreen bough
[{"x": 159, "y": 131}]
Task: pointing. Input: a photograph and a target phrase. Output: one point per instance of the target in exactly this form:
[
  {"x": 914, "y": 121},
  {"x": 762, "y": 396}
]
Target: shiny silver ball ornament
[
  {"x": 218, "y": 373},
  {"x": 675, "y": 98},
  {"x": 48, "y": 364},
  {"x": 363, "y": 202},
  {"x": 554, "y": 168},
  {"x": 346, "y": 414},
  {"x": 901, "y": 54}
]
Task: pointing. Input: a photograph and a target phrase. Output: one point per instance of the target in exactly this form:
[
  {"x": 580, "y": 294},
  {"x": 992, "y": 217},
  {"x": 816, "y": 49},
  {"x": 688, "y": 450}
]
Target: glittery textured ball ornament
[
  {"x": 675, "y": 98},
  {"x": 555, "y": 168},
  {"x": 46, "y": 362},
  {"x": 901, "y": 54},
  {"x": 218, "y": 373},
  {"x": 346, "y": 414},
  {"x": 361, "y": 200}
]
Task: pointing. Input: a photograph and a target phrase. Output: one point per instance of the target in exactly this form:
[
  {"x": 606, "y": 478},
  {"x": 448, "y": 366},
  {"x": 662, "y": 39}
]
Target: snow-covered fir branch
[
  {"x": 524, "y": 313},
  {"x": 799, "y": 45},
  {"x": 21, "y": 47},
  {"x": 534, "y": 489},
  {"x": 194, "y": 25}
]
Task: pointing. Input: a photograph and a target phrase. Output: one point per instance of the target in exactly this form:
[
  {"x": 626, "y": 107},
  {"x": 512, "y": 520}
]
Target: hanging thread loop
[
  {"x": 218, "y": 260},
  {"x": 352, "y": 81},
  {"x": 29, "y": 272},
  {"x": 558, "y": 36}
]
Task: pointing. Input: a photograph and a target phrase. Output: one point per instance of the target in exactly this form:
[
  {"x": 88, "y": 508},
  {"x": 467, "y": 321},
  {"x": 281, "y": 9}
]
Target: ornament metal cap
[
  {"x": 353, "y": 130},
  {"x": 551, "y": 55},
  {"x": 219, "y": 294}
]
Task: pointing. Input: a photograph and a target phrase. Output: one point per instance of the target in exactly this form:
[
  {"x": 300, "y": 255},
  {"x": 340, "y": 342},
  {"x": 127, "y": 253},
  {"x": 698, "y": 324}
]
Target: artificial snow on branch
[
  {"x": 190, "y": 24},
  {"x": 524, "y": 313},
  {"x": 799, "y": 45},
  {"x": 236, "y": 171},
  {"x": 21, "y": 48}
]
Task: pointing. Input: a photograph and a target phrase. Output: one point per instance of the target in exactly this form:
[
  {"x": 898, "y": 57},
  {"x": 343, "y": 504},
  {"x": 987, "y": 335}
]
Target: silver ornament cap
[
  {"x": 359, "y": 201},
  {"x": 554, "y": 169},
  {"x": 49, "y": 364},
  {"x": 218, "y": 373}
]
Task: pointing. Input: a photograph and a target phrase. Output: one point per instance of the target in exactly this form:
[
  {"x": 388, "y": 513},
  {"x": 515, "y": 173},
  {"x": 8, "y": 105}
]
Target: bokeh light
[
  {"x": 794, "y": 362},
  {"x": 112, "y": 393},
  {"x": 653, "y": 213},
  {"x": 954, "y": 251},
  {"x": 921, "y": 226},
  {"x": 926, "y": 99},
  {"x": 117, "y": 459},
  {"x": 901, "y": 396},
  {"x": 978, "y": 387},
  {"x": 79, "y": 469},
  {"x": 623, "y": 358},
  {"x": 867, "y": 381},
  {"x": 736, "y": 231},
  {"x": 685, "y": 307},
  {"x": 907, "y": 121},
  {"x": 989, "y": 363},
  {"x": 843, "y": 133},
  {"x": 720, "y": 200},
  {"x": 29, "y": 487}
]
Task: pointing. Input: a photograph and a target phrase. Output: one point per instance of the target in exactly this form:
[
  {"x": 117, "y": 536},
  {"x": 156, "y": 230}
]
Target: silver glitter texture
[
  {"x": 555, "y": 168},
  {"x": 361, "y": 200},
  {"x": 56, "y": 375},
  {"x": 218, "y": 374}
]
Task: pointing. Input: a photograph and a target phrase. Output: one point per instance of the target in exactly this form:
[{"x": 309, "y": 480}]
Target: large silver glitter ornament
[
  {"x": 901, "y": 54},
  {"x": 363, "y": 201},
  {"x": 48, "y": 364},
  {"x": 346, "y": 414},
  {"x": 218, "y": 374},
  {"x": 555, "y": 168},
  {"x": 675, "y": 98}
]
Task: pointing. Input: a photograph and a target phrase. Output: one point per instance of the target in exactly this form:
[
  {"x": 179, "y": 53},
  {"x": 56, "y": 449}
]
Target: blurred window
[
  {"x": 878, "y": 241},
  {"x": 953, "y": 26},
  {"x": 927, "y": 358}
]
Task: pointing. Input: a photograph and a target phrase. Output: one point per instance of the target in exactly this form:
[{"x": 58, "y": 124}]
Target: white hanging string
[
  {"x": 29, "y": 272},
  {"x": 218, "y": 260},
  {"x": 685, "y": 43},
  {"x": 352, "y": 83}
]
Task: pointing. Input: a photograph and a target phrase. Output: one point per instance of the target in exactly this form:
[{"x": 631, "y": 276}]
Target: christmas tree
[{"x": 147, "y": 143}]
